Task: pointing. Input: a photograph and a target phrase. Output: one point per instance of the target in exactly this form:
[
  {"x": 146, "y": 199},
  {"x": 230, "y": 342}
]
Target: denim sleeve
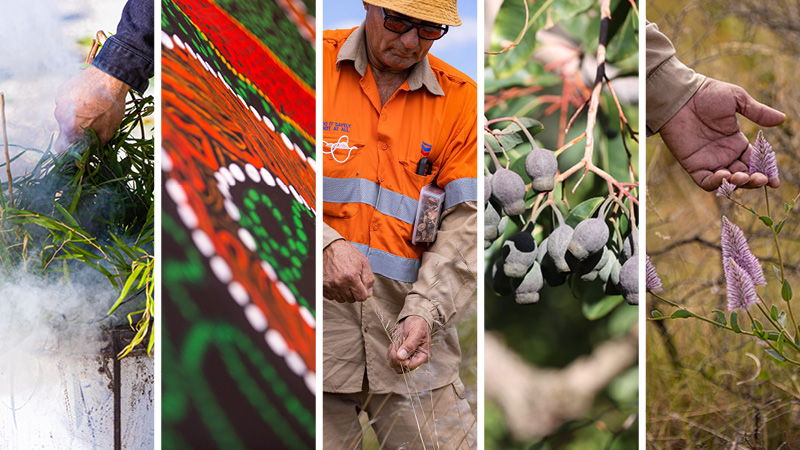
[{"x": 128, "y": 55}]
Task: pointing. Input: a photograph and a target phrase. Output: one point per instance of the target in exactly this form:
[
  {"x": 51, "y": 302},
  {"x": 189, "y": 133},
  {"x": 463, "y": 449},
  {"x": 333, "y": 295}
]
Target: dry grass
[{"x": 707, "y": 388}]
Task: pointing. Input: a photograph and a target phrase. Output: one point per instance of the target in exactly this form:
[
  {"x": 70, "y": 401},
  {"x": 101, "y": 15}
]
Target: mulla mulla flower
[
  {"x": 762, "y": 158},
  {"x": 734, "y": 246},
  {"x": 741, "y": 290},
  {"x": 725, "y": 189},
  {"x": 653, "y": 281},
  {"x": 742, "y": 269}
]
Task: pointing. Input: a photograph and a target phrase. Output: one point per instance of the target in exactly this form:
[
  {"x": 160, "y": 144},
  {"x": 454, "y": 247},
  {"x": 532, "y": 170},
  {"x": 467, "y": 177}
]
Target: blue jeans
[{"x": 128, "y": 55}]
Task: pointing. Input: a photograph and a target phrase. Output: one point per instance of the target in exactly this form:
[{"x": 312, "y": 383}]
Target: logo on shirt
[
  {"x": 426, "y": 149},
  {"x": 335, "y": 126}
]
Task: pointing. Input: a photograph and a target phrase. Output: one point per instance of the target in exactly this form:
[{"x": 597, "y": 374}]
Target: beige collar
[{"x": 355, "y": 49}]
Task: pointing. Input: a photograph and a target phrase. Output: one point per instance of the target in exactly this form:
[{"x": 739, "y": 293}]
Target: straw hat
[{"x": 444, "y": 12}]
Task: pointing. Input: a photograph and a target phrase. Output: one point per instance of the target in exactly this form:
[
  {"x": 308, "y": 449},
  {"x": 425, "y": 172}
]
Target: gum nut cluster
[
  {"x": 541, "y": 165},
  {"x": 586, "y": 254},
  {"x": 509, "y": 191}
]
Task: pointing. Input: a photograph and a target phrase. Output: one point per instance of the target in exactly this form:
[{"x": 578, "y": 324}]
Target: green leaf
[
  {"x": 510, "y": 22},
  {"x": 594, "y": 311},
  {"x": 754, "y": 212},
  {"x": 594, "y": 301},
  {"x": 782, "y": 318},
  {"x": 509, "y": 137},
  {"x": 720, "y": 317},
  {"x": 779, "y": 226},
  {"x": 771, "y": 335},
  {"x": 680, "y": 314},
  {"x": 773, "y": 312},
  {"x": 777, "y": 272},
  {"x": 735, "y": 322},
  {"x": 583, "y": 211},
  {"x": 781, "y": 340},
  {"x": 656, "y": 314},
  {"x": 775, "y": 355},
  {"x": 757, "y": 325},
  {"x": 786, "y": 291},
  {"x": 767, "y": 220}
]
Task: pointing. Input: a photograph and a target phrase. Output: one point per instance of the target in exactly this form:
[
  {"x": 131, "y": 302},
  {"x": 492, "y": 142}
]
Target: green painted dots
[{"x": 285, "y": 250}]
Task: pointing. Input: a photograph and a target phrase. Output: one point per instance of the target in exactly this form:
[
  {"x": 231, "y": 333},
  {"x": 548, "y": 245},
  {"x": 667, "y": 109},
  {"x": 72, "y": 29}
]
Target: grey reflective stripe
[
  {"x": 459, "y": 191},
  {"x": 359, "y": 190},
  {"x": 391, "y": 266}
]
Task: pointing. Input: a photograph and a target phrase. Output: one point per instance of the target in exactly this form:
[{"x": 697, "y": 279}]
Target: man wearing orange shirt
[{"x": 396, "y": 119}]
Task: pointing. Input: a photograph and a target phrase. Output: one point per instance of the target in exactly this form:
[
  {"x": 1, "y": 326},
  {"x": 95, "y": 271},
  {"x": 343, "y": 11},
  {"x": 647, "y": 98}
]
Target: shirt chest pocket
[
  {"x": 411, "y": 183},
  {"x": 342, "y": 159}
]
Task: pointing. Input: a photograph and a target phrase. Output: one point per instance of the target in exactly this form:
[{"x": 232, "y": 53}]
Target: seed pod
[
  {"x": 552, "y": 276},
  {"x": 629, "y": 280},
  {"x": 487, "y": 190},
  {"x": 590, "y": 237},
  {"x": 594, "y": 271},
  {"x": 541, "y": 251},
  {"x": 500, "y": 282},
  {"x": 557, "y": 244},
  {"x": 519, "y": 252},
  {"x": 605, "y": 271},
  {"x": 612, "y": 284},
  {"x": 491, "y": 220},
  {"x": 541, "y": 165},
  {"x": 509, "y": 189},
  {"x": 528, "y": 291}
]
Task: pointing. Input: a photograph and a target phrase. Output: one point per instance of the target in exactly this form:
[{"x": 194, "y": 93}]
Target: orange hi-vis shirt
[{"x": 371, "y": 187}]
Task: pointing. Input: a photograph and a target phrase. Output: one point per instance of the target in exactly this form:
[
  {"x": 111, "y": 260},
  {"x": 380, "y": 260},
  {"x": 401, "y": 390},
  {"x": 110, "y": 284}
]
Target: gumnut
[
  {"x": 502, "y": 284},
  {"x": 519, "y": 252},
  {"x": 589, "y": 238},
  {"x": 591, "y": 273},
  {"x": 509, "y": 189},
  {"x": 487, "y": 190},
  {"x": 557, "y": 244},
  {"x": 541, "y": 165},
  {"x": 528, "y": 291},
  {"x": 629, "y": 280},
  {"x": 491, "y": 220}
]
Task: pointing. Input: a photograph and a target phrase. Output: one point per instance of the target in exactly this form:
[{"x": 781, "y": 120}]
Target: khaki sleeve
[
  {"x": 670, "y": 84},
  {"x": 448, "y": 275},
  {"x": 329, "y": 235}
]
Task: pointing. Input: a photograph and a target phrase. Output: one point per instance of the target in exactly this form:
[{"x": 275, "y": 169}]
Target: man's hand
[
  {"x": 411, "y": 344},
  {"x": 704, "y": 135},
  {"x": 90, "y": 100},
  {"x": 346, "y": 275}
]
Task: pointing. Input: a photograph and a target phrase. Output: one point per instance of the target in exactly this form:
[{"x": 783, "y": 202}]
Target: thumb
[
  {"x": 410, "y": 345},
  {"x": 367, "y": 278},
  {"x": 758, "y": 112}
]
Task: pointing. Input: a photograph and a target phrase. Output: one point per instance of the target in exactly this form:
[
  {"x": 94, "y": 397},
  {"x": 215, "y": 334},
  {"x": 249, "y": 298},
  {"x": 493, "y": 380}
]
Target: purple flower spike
[
  {"x": 762, "y": 158},
  {"x": 725, "y": 189},
  {"x": 734, "y": 246},
  {"x": 741, "y": 291},
  {"x": 653, "y": 282}
]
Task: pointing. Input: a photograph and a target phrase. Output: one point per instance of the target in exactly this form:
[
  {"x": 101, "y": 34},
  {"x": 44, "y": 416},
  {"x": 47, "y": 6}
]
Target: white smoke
[{"x": 39, "y": 50}]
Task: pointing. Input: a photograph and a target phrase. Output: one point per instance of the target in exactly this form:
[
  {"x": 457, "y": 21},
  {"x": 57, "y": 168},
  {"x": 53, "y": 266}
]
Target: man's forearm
[
  {"x": 447, "y": 278},
  {"x": 670, "y": 84}
]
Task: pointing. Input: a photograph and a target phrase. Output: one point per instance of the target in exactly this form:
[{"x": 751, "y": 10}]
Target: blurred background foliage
[
  {"x": 547, "y": 76},
  {"x": 705, "y": 388}
]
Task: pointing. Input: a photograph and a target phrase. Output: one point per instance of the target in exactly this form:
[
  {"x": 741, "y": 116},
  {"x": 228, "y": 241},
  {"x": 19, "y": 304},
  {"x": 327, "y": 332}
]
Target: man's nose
[{"x": 410, "y": 38}]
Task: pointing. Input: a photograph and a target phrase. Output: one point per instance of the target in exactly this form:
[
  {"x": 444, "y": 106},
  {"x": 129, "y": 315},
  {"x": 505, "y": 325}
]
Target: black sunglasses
[{"x": 400, "y": 25}]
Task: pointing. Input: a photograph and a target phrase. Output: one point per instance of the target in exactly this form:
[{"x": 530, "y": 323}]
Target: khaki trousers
[{"x": 392, "y": 418}]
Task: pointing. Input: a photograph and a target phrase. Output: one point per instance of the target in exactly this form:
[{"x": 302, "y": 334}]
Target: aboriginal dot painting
[{"x": 238, "y": 334}]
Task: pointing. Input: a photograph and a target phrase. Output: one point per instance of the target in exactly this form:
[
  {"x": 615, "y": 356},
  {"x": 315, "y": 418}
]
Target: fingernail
[{"x": 402, "y": 354}]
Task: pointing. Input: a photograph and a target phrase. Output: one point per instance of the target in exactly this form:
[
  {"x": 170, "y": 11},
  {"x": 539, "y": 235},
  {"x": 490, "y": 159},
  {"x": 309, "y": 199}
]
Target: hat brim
[{"x": 438, "y": 12}]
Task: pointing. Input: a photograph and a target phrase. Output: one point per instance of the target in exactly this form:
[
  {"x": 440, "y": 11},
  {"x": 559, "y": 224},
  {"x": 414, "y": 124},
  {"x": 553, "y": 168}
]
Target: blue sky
[{"x": 459, "y": 47}]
